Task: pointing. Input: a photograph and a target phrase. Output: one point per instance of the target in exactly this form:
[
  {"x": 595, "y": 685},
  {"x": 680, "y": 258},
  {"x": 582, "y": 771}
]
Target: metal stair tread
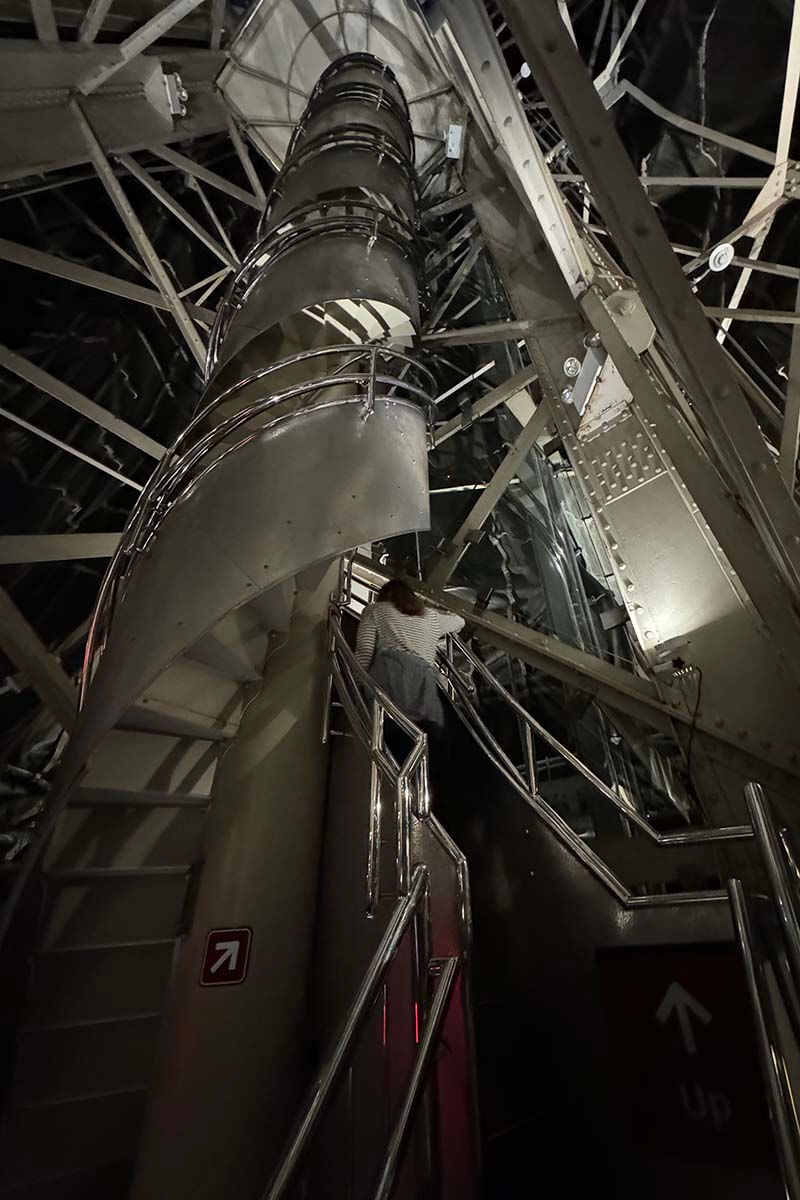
[
  {"x": 98, "y": 874},
  {"x": 151, "y": 716},
  {"x": 101, "y": 947},
  {"x": 60, "y": 1101},
  {"x": 91, "y": 1022},
  {"x": 90, "y": 797}
]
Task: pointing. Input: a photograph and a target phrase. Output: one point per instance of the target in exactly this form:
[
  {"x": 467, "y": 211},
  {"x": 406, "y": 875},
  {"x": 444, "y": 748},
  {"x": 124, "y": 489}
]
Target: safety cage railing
[
  {"x": 366, "y": 374},
  {"x": 525, "y": 780},
  {"x": 368, "y": 711}
]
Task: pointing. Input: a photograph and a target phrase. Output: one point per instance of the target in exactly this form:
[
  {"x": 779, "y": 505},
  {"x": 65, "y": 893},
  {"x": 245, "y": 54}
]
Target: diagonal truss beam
[
  {"x": 142, "y": 242},
  {"x": 515, "y": 386},
  {"x": 717, "y": 396},
  {"x": 27, "y": 651},
  {"x": 92, "y": 21},
  {"x": 56, "y": 547},
  {"x": 489, "y": 498},
  {"x": 143, "y": 37},
  {"x": 62, "y": 268},
  {"x": 48, "y": 383},
  {"x": 44, "y": 21},
  {"x": 205, "y": 176},
  {"x": 177, "y": 210}
]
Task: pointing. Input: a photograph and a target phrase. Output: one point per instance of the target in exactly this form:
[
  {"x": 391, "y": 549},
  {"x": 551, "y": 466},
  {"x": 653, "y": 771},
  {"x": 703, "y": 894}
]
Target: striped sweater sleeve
[{"x": 365, "y": 640}]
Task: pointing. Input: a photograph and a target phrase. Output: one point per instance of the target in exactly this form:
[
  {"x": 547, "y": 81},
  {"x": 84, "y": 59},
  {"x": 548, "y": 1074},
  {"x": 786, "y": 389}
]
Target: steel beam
[
  {"x": 44, "y": 21},
  {"x": 715, "y": 390},
  {"x": 132, "y": 46},
  {"x": 247, "y": 163},
  {"x": 472, "y": 43},
  {"x": 142, "y": 242},
  {"x": 477, "y": 335},
  {"x": 656, "y": 704},
  {"x": 56, "y": 547},
  {"x": 206, "y": 176},
  {"x": 735, "y": 535},
  {"x": 177, "y": 210},
  {"x": 22, "y": 644},
  {"x": 490, "y": 497},
  {"x": 790, "y": 432},
  {"x": 76, "y": 400},
  {"x": 93, "y": 20},
  {"x": 217, "y": 23},
  {"x": 50, "y": 264},
  {"x": 65, "y": 446},
  {"x": 501, "y": 394}
]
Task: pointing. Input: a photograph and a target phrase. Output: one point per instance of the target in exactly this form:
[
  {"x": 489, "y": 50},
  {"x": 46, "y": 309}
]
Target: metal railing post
[
  {"x": 781, "y": 884},
  {"x": 782, "y": 1110}
]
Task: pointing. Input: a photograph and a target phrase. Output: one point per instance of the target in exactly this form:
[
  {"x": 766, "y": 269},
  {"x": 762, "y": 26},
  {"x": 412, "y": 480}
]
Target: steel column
[{"x": 719, "y": 400}]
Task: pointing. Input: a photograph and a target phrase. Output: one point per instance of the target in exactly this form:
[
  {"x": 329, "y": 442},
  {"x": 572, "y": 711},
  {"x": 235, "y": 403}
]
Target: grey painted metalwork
[
  {"x": 68, "y": 449},
  {"x": 177, "y": 210},
  {"x": 25, "y": 649},
  {"x": 140, "y": 238},
  {"x": 136, "y": 42},
  {"x": 717, "y": 396},
  {"x": 82, "y": 404},
  {"x": 50, "y": 264},
  {"x": 490, "y": 496},
  {"x": 56, "y": 547},
  {"x": 206, "y": 176}
]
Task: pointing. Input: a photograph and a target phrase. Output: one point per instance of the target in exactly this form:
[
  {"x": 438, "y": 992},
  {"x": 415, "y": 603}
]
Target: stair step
[
  {"x": 112, "y": 1182},
  {"x": 235, "y": 648},
  {"x": 117, "y": 838},
  {"x": 93, "y": 797},
  {"x": 140, "y": 761},
  {"x": 59, "y": 1064},
  {"x": 111, "y": 874},
  {"x": 153, "y": 716},
  {"x": 40, "y": 1141},
  {"x": 131, "y": 907},
  {"x": 101, "y": 982}
]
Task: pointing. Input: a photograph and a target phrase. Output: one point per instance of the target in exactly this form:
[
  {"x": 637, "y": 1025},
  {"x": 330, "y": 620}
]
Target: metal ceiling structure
[{"x": 563, "y": 256}]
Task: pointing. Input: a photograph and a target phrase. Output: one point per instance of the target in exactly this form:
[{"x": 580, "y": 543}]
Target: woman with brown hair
[{"x": 397, "y": 642}]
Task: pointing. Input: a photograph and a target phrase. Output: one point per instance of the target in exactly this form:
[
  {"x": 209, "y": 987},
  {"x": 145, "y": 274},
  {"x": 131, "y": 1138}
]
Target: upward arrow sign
[
  {"x": 677, "y": 1000},
  {"x": 229, "y": 953}
]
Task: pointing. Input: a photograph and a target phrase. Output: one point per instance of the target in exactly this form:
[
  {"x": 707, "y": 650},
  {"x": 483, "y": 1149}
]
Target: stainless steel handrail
[
  {"x": 366, "y": 707},
  {"x": 556, "y": 823},
  {"x": 779, "y": 873},
  {"x": 331, "y": 1070},
  {"x": 783, "y": 1108},
  {"x": 419, "y": 1077},
  {"x": 731, "y": 833}
]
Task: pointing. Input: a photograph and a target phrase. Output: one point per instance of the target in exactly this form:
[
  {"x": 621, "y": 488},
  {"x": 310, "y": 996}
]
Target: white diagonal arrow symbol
[
  {"x": 229, "y": 952},
  {"x": 677, "y": 1000}
]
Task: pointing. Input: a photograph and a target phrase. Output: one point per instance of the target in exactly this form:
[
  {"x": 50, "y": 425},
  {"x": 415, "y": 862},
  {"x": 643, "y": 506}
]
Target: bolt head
[
  {"x": 572, "y": 367},
  {"x": 566, "y": 395}
]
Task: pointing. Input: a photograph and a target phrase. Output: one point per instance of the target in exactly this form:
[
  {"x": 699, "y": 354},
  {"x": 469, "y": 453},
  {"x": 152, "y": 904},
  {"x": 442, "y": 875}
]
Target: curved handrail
[{"x": 182, "y": 467}]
